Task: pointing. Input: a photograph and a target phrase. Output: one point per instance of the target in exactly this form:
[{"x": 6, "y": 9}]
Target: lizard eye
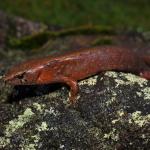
[{"x": 21, "y": 76}]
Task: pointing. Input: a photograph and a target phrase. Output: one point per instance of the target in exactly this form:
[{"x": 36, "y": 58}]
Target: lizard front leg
[
  {"x": 47, "y": 78},
  {"x": 73, "y": 88}
]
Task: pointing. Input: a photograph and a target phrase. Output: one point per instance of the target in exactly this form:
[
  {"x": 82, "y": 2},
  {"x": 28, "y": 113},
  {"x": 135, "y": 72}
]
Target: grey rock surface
[{"x": 112, "y": 112}]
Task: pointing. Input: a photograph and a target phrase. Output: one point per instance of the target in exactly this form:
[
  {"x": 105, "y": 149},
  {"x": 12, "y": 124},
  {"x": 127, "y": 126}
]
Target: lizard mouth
[
  {"x": 5, "y": 78},
  {"x": 9, "y": 80}
]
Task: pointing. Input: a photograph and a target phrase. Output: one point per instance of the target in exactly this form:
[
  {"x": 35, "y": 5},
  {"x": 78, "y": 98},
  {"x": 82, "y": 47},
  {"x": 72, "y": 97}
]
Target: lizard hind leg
[{"x": 145, "y": 74}]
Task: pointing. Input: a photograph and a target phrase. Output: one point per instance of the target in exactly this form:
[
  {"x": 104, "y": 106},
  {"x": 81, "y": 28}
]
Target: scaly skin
[{"x": 71, "y": 67}]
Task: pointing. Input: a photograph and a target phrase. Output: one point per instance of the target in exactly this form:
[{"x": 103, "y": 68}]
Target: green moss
[
  {"x": 75, "y": 12},
  {"x": 102, "y": 41},
  {"x": 38, "y": 39},
  {"x": 33, "y": 41}
]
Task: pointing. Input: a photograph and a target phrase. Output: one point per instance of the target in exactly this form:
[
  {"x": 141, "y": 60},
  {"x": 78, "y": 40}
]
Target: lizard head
[
  {"x": 22, "y": 74},
  {"x": 31, "y": 72},
  {"x": 21, "y": 78}
]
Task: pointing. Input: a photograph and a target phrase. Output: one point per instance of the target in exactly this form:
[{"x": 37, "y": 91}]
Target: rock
[
  {"x": 17, "y": 27},
  {"x": 112, "y": 112}
]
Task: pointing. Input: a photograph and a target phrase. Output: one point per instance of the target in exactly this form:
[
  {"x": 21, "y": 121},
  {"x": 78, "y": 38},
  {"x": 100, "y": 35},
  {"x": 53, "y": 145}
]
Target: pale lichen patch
[
  {"x": 131, "y": 78},
  {"x": 4, "y": 141},
  {"x": 114, "y": 121},
  {"x": 39, "y": 107},
  {"x": 89, "y": 81},
  {"x": 119, "y": 82},
  {"x": 111, "y": 74},
  {"x": 54, "y": 94},
  {"x": 146, "y": 92},
  {"x": 115, "y": 76},
  {"x": 138, "y": 119},
  {"x": 15, "y": 125},
  {"x": 27, "y": 145},
  {"x": 52, "y": 111},
  {"x": 135, "y": 79},
  {"x": 53, "y": 128},
  {"x": 95, "y": 132},
  {"x": 120, "y": 115},
  {"x": 61, "y": 146},
  {"x": 42, "y": 127},
  {"x": 113, "y": 135},
  {"x": 139, "y": 94},
  {"x": 143, "y": 136},
  {"x": 112, "y": 99},
  {"x": 19, "y": 122}
]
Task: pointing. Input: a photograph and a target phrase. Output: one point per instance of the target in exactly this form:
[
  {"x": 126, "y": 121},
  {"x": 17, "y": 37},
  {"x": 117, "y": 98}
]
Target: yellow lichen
[
  {"x": 111, "y": 74},
  {"x": 89, "y": 81},
  {"x": 131, "y": 78},
  {"x": 138, "y": 119},
  {"x": 39, "y": 107},
  {"x": 120, "y": 113},
  {"x": 4, "y": 141},
  {"x": 112, "y": 100},
  {"x": 113, "y": 135},
  {"x": 52, "y": 111},
  {"x": 146, "y": 92},
  {"x": 54, "y": 94},
  {"x": 28, "y": 145},
  {"x": 139, "y": 93},
  {"x": 15, "y": 125},
  {"x": 43, "y": 127},
  {"x": 19, "y": 122}
]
